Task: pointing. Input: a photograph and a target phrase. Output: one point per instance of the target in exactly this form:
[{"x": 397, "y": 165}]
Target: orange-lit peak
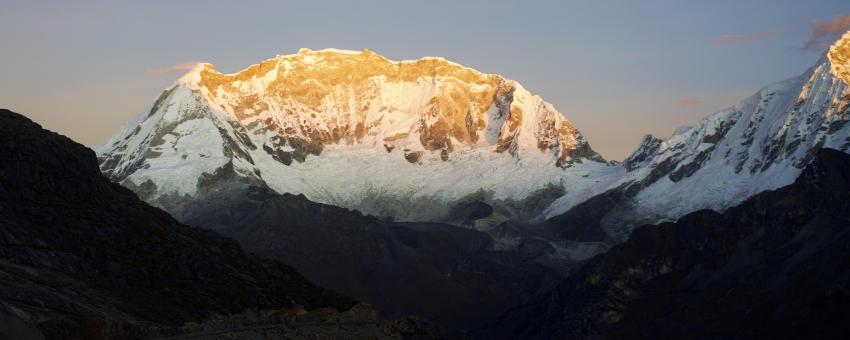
[{"x": 839, "y": 58}]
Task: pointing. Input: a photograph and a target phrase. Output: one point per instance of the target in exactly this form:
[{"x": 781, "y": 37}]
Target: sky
[{"x": 617, "y": 69}]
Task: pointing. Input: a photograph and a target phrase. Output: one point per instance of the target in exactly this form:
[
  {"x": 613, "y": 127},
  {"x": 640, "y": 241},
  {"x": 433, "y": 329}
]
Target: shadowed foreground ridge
[
  {"x": 777, "y": 266},
  {"x": 450, "y": 276},
  {"x": 81, "y": 257}
]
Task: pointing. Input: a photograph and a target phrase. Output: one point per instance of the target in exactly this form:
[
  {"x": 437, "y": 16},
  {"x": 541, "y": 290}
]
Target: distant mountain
[
  {"x": 407, "y": 139},
  {"x": 774, "y": 267},
  {"x": 424, "y": 140},
  {"x": 762, "y": 143},
  {"x": 83, "y": 258}
]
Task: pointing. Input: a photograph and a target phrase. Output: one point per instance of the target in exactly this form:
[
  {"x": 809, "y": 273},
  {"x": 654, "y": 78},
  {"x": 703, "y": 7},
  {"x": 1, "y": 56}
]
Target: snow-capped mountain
[
  {"x": 429, "y": 140},
  {"x": 406, "y": 139},
  {"x": 759, "y": 144}
]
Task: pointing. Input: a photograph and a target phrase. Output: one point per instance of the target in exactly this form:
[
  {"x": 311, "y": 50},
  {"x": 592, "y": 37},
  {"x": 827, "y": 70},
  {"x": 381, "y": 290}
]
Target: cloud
[
  {"x": 178, "y": 68},
  {"x": 736, "y": 38},
  {"x": 689, "y": 102},
  {"x": 822, "y": 30}
]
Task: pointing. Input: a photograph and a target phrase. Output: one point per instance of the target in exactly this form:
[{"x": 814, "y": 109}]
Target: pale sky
[{"x": 616, "y": 69}]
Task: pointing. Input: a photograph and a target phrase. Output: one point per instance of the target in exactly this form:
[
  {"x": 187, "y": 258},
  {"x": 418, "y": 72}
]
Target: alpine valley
[
  {"x": 398, "y": 181},
  {"x": 340, "y": 194}
]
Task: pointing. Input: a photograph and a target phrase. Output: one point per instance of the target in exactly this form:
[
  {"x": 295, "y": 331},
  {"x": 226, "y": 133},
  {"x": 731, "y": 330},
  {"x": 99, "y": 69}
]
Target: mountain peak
[
  {"x": 305, "y": 50},
  {"x": 193, "y": 77},
  {"x": 344, "y": 96},
  {"x": 839, "y": 58},
  {"x": 300, "y": 122}
]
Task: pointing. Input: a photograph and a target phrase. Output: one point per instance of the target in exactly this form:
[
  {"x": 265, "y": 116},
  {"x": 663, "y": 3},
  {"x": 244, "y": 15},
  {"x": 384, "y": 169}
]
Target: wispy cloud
[
  {"x": 745, "y": 37},
  {"x": 823, "y": 30},
  {"x": 689, "y": 101},
  {"x": 177, "y": 68}
]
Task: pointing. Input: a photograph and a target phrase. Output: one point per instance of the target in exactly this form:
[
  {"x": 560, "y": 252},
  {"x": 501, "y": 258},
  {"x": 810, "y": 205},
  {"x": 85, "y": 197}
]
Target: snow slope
[
  {"x": 759, "y": 144},
  {"x": 404, "y": 139}
]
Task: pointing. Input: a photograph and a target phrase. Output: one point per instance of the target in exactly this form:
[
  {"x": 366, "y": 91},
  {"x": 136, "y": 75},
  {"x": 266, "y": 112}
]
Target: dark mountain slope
[
  {"x": 777, "y": 266},
  {"x": 448, "y": 275},
  {"x": 81, "y": 257}
]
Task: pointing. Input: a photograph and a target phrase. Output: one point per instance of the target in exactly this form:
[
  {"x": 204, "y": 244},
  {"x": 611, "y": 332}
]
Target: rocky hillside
[
  {"x": 84, "y": 258},
  {"x": 775, "y": 267},
  {"x": 451, "y": 276}
]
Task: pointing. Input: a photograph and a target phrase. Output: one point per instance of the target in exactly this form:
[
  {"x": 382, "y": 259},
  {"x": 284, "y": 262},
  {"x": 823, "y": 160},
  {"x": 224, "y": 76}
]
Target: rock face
[
  {"x": 839, "y": 58},
  {"x": 406, "y": 139},
  {"x": 775, "y": 266},
  {"x": 84, "y": 258},
  {"x": 645, "y": 151},
  {"x": 762, "y": 143}
]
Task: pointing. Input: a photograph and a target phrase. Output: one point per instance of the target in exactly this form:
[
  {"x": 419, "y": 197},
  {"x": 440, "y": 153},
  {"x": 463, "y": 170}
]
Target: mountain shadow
[
  {"x": 84, "y": 258},
  {"x": 450, "y": 276},
  {"x": 776, "y": 266}
]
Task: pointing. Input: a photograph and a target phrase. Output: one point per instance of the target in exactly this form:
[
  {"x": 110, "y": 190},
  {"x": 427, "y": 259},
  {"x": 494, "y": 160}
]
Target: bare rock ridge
[{"x": 84, "y": 258}]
